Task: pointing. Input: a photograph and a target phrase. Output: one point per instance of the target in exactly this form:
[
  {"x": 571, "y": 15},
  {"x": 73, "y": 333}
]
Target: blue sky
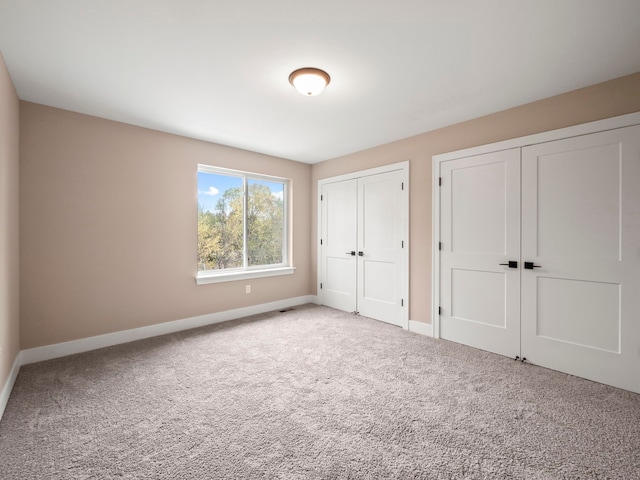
[{"x": 212, "y": 186}]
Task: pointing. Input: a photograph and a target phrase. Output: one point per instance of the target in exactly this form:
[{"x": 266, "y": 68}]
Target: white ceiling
[{"x": 217, "y": 70}]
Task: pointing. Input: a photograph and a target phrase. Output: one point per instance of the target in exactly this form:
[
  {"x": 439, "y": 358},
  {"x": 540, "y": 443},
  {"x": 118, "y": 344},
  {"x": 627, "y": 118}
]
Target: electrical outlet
[{"x": 247, "y": 289}]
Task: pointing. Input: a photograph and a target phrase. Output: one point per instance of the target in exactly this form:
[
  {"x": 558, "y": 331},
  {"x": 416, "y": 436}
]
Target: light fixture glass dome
[{"x": 309, "y": 81}]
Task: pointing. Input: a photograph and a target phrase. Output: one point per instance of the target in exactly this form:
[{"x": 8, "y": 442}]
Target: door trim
[
  {"x": 552, "y": 135},
  {"x": 404, "y": 288}
]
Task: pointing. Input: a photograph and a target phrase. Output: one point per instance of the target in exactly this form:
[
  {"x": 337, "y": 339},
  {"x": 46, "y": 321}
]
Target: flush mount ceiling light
[{"x": 309, "y": 81}]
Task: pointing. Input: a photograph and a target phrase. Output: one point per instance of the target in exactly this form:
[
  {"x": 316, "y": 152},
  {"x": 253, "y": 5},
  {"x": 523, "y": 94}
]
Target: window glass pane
[
  {"x": 220, "y": 221},
  {"x": 265, "y": 222}
]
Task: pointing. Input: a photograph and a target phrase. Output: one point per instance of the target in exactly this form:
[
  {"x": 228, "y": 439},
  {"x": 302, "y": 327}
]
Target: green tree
[
  {"x": 221, "y": 232},
  {"x": 265, "y": 226},
  {"x": 229, "y": 215},
  {"x": 208, "y": 240}
]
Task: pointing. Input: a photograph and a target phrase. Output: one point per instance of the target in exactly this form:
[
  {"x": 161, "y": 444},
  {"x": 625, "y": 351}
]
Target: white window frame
[{"x": 246, "y": 272}]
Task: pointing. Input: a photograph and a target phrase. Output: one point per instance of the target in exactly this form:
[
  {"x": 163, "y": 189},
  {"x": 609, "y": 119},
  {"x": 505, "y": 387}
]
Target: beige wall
[
  {"x": 609, "y": 99},
  {"x": 108, "y": 227},
  {"x": 9, "y": 225}
]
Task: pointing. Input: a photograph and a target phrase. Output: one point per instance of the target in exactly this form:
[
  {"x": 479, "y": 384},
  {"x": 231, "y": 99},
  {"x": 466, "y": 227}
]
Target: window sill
[{"x": 206, "y": 278}]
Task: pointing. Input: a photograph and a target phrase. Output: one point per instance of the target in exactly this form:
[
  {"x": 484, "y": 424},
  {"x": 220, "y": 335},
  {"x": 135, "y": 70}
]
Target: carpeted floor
[{"x": 311, "y": 393}]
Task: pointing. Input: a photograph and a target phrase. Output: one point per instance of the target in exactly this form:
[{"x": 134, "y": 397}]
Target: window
[{"x": 242, "y": 225}]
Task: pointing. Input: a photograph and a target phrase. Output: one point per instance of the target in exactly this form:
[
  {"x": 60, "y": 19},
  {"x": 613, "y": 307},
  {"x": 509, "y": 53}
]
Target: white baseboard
[
  {"x": 421, "y": 328},
  {"x": 57, "y": 350},
  {"x": 8, "y": 385}
]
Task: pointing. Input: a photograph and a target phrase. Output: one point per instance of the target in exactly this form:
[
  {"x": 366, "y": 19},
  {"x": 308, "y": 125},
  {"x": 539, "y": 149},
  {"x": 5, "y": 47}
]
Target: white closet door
[
  {"x": 480, "y": 230},
  {"x": 339, "y": 209},
  {"x": 380, "y": 242},
  {"x": 581, "y": 228}
]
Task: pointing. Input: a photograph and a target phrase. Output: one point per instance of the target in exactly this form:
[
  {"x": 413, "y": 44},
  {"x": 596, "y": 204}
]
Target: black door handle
[
  {"x": 352, "y": 252},
  {"x": 361, "y": 254},
  {"x": 511, "y": 264},
  {"x": 531, "y": 266}
]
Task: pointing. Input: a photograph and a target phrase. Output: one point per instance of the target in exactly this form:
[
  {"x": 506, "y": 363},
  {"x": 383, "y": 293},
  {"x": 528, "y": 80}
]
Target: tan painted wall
[
  {"x": 9, "y": 224},
  {"x": 108, "y": 227},
  {"x": 609, "y": 99}
]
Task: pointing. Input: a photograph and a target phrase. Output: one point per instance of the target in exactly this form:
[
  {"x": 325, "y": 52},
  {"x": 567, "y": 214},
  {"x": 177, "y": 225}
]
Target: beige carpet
[{"x": 312, "y": 393}]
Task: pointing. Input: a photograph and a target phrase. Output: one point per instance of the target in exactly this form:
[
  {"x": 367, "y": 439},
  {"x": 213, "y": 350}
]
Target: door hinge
[
  {"x": 320, "y": 286},
  {"x": 439, "y": 245},
  {"x": 402, "y": 302},
  {"x": 402, "y": 187},
  {"x": 402, "y": 243},
  {"x": 321, "y": 198},
  {"x": 320, "y": 241},
  {"x": 439, "y": 310},
  {"x": 440, "y": 181}
]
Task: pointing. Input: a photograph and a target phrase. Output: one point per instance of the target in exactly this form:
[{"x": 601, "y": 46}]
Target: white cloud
[
  {"x": 278, "y": 195},
  {"x": 212, "y": 191}
]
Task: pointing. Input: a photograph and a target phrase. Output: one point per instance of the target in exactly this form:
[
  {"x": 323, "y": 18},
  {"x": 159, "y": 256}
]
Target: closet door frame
[
  {"x": 404, "y": 287},
  {"x": 563, "y": 133}
]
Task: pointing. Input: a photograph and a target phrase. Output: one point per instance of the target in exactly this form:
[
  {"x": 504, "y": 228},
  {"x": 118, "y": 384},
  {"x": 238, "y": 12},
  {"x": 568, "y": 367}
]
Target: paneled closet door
[
  {"x": 381, "y": 206},
  {"x": 362, "y": 255},
  {"x": 581, "y": 234},
  {"x": 339, "y": 232},
  {"x": 480, "y": 234}
]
